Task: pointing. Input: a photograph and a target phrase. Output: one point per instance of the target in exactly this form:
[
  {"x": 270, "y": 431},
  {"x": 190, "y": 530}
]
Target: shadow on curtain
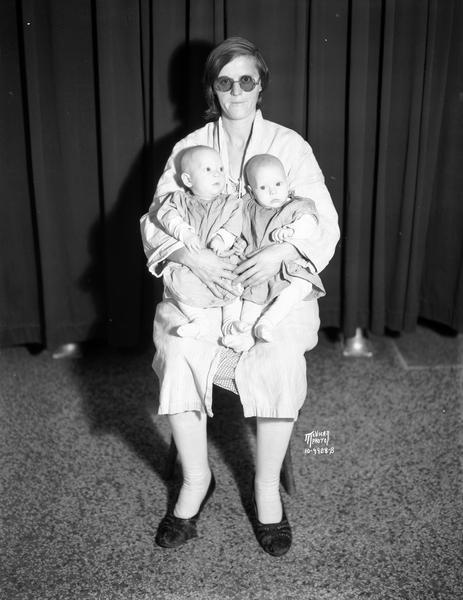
[{"x": 96, "y": 93}]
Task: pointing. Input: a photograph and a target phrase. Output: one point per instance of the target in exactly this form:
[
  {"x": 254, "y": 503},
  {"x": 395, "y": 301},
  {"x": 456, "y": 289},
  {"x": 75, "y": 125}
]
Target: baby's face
[
  {"x": 206, "y": 174},
  {"x": 269, "y": 186}
]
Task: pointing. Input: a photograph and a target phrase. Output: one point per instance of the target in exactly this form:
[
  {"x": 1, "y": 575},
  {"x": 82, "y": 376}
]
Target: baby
[
  {"x": 199, "y": 216},
  {"x": 271, "y": 214}
]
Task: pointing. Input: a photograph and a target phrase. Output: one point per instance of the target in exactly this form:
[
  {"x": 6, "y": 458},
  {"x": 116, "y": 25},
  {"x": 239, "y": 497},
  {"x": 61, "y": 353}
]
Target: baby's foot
[
  {"x": 190, "y": 330},
  {"x": 264, "y": 330},
  {"x": 234, "y": 327},
  {"x": 239, "y": 342}
]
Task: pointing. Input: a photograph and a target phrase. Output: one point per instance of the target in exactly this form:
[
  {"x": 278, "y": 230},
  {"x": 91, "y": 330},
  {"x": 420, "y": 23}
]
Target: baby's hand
[
  {"x": 239, "y": 246},
  {"x": 192, "y": 242},
  {"x": 217, "y": 245},
  {"x": 282, "y": 234}
]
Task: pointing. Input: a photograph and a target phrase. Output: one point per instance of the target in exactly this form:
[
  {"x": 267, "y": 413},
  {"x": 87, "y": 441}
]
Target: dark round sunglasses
[{"x": 225, "y": 84}]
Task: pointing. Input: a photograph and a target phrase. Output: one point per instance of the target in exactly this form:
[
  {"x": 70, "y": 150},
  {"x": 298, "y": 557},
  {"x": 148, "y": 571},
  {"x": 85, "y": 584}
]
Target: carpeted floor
[{"x": 378, "y": 516}]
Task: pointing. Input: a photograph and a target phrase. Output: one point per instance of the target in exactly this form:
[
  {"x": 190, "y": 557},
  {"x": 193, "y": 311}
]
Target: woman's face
[{"x": 237, "y": 104}]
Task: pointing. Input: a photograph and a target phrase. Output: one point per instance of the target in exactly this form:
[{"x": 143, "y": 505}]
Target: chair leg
[
  {"x": 287, "y": 473},
  {"x": 171, "y": 460}
]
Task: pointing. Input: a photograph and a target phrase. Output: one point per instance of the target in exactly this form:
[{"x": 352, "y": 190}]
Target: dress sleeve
[
  {"x": 306, "y": 179},
  {"x": 304, "y": 226},
  {"x": 171, "y": 215}
]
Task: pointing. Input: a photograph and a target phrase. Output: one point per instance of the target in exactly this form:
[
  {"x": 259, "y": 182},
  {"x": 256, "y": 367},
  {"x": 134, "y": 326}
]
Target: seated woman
[{"x": 271, "y": 376}]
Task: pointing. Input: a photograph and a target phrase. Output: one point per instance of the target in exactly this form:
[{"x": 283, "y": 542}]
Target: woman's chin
[{"x": 239, "y": 111}]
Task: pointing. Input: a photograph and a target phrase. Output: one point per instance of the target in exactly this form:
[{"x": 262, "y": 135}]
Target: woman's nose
[{"x": 236, "y": 89}]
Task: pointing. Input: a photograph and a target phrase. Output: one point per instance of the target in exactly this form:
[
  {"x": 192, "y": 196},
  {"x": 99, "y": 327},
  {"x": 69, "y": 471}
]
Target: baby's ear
[
  {"x": 185, "y": 177},
  {"x": 250, "y": 192}
]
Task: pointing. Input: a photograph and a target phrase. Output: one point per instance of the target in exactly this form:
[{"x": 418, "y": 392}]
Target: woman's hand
[
  {"x": 263, "y": 265},
  {"x": 216, "y": 272}
]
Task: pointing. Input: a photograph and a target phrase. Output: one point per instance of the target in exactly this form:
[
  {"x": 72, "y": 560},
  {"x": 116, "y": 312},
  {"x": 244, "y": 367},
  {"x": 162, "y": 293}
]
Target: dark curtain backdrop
[{"x": 94, "y": 93}]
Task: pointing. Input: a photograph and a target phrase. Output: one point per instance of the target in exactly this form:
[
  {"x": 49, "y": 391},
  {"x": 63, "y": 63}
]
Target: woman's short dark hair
[{"x": 222, "y": 54}]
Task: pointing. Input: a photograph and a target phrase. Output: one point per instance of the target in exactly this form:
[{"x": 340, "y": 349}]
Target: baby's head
[
  {"x": 202, "y": 171},
  {"x": 267, "y": 181}
]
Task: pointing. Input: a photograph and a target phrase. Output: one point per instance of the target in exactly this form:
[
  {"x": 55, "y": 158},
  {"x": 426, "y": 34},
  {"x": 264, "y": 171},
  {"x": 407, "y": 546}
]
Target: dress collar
[
  {"x": 201, "y": 199},
  {"x": 220, "y": 145}
]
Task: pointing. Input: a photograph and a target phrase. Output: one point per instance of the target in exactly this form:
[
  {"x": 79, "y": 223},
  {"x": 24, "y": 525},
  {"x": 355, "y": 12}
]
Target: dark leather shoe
[
  {"x": 174, "y": 532},
  {"x": 274, "y": 538}
]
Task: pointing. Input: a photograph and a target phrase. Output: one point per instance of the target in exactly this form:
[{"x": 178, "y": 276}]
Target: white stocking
[
  {"x": 190, "y": 436},
  {"x": 273, "y": 437}
]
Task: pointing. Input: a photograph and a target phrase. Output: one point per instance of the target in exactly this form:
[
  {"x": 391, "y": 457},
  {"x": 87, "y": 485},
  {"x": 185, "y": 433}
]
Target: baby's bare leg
[
  {"x": 280, "y": 307},
  {"x": 231, "y": 314},
  {"x": 251, "y": 312},
  {"x": 195, "y": 315}
]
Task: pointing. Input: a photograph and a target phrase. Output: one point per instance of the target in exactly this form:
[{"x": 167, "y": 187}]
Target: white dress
[{"x": 271, "y": 376}]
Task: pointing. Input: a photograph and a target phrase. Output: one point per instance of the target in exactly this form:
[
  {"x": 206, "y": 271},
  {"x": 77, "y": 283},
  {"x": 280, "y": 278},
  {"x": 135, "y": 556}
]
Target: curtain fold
[
  {"x": 59, "y": 78},
  {"x": 327, "y": 81},
  {"x": 122, "y": 138},
  {"x": 410, "y": 111},
  {"x": 364, "y": 48},
  {"x": 441, "y": 290},
  {"x": 94, "y": 94},
  {"x": 20, "y": 304}
]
